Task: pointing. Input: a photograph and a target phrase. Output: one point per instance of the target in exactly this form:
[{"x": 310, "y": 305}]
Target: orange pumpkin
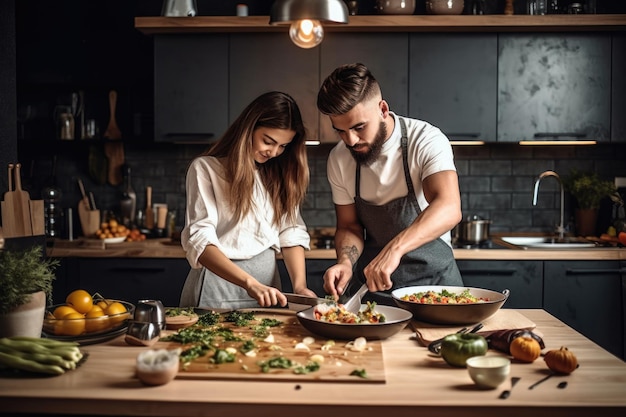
[
  {"x": 525, "y": 349},
  {"x": 561, "y": 361}
]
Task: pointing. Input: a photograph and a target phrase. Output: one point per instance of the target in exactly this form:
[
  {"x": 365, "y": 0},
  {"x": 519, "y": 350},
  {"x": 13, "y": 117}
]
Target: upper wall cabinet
[
  {"x": 190, "y": 87},
  {"x": 262, "y": 62},
  {"x": 554, "y": 86},
  {"x": 618, "y": 89},
  {"x": 453, "y": 83},
  {"x": 386, "y": 56}
]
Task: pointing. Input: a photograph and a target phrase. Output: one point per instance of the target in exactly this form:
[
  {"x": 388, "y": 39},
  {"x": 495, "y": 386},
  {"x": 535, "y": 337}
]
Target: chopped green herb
[
  {"x": 247, "y": 346},
  {"x": 178, "y": 311},
  {"x": 260, "y": 331},
  {"x": 240, "y": 318},
  {"x": 222, "y": 356},
  {"x": 311, "y": 366},
  {"x": 277, "y": 362},
  {"x": 361, "y": 373},
  {"x": 209, "y": 319},
  {"x": 271, "y": 322}
]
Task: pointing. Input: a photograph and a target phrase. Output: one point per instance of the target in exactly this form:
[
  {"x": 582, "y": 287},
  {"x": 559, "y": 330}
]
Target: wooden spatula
[
  {"x": 149, "y": 223},
  {"x": 8, "y": 215},
  {"x": 113, "y": 147},
  {"x": 21, "y": 206}
]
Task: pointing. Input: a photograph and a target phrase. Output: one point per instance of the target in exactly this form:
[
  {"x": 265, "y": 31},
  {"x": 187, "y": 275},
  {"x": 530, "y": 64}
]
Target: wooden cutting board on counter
[
  {"x": 502, "y": 319},
  {"x": 338, "y": 363}
]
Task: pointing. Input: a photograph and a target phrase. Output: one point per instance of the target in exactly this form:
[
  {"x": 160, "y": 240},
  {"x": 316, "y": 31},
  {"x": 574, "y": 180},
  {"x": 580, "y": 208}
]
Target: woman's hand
[{"x": 266, "y": 296}]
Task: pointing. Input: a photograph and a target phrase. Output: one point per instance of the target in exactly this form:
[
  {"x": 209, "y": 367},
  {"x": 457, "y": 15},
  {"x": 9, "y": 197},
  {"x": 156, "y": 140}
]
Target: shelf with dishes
[{"x": 393, "y": 23}]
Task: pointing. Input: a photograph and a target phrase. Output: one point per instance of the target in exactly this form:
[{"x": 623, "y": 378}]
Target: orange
[
  {"x": 81, "y": 301},
  {"x": 62, "y": 311},
  {"x": 96, "y": 320},
  {"x": 72, "y": 324},
  {"x": 116, "y": 311}
]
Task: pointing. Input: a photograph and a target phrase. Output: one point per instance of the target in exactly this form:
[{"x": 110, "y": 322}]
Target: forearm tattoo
[{"x": 351, "y": 252}]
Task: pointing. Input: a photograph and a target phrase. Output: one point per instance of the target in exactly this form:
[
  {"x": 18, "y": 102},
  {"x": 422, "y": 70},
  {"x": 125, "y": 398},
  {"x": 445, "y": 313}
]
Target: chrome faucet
[{"x": 560, "y": 229}]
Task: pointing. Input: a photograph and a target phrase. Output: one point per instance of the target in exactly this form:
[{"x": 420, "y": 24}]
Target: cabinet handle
[
  {"x": 595, "y": 271},
  {"x": 488, "y": 271},
  {"x": 151, "y": 270},
  {"x": 463, "y": 135},
  {"x": 560, "y": 135}
]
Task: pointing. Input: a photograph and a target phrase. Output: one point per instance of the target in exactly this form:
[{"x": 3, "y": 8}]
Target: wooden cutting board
[
  {"x": 503, "y": 319},
  {"x": 339, "y": 361}
]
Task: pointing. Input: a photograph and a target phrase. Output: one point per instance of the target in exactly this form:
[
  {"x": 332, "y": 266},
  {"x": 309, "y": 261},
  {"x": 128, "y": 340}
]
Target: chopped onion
[
  {"x": 302, "y": 346},
  {"x": 308, "y": 340},
  {"x": 269, "y": 338},
  {"x": 358, "y": 345},
  {"x": 317, "y": 358}
]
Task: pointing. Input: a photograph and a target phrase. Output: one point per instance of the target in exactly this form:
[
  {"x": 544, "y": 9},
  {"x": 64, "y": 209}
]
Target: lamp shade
[{"x": 288, "y": 11}]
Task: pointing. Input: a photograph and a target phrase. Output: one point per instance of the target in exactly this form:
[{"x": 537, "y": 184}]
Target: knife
[{"x": 303, "y": 299}]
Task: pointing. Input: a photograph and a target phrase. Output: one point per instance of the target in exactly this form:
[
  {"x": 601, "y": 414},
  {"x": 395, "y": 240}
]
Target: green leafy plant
[
  {"x": 22, "y": 273},
  {"x": 589, "y": 190}
]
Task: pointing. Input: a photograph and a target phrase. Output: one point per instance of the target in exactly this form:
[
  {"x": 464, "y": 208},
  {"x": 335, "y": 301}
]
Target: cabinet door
[
  {"x": 134, "y": 279},
  {"x": 190, "y": 87},
  {"x": 588, "y": 296},
  {"x": 263, "y": 62},
  {"x": 315, "y": 269},
  {"x": 618, "y": 89},
  {"x": 453, "y": 83},
  {"x": 523, "y": 278},
  {"x": 385, "y": 54},
  {"x": 554, "y": 86}
]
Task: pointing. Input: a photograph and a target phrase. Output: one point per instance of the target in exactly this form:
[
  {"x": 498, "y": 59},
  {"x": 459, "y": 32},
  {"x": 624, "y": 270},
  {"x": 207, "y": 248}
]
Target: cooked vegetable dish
[
  {"x": 443, "y": 297},
  {"x": 336, "y": 313}
]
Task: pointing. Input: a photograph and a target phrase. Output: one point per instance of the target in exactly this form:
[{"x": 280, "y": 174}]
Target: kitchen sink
[{"x": 545, "y": 242}]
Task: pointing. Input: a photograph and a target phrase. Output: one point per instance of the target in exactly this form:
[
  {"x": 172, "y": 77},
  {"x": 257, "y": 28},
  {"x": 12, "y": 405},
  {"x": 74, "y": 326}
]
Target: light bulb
[{"x": 306, "y": 33}]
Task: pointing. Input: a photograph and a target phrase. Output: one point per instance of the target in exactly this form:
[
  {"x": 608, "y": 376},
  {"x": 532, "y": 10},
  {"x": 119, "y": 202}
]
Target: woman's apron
[
  {"x": 430, "y": 264},
  {"x": 205, "y": 289}
]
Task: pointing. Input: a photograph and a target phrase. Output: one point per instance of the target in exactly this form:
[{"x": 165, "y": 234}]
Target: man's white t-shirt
[{"x": 429, "y": 151}]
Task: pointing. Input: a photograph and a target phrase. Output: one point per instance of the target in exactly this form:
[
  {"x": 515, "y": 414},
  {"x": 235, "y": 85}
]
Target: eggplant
[{"x": 501, "y": 339}]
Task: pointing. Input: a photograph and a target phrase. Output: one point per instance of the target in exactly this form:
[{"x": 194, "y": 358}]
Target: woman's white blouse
[{"x": 210, "y": 221}]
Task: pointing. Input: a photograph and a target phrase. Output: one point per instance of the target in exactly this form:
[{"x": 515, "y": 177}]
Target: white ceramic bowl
[
  {"x": 488, "y": 371},
  {"x": 157, "y": 367}
]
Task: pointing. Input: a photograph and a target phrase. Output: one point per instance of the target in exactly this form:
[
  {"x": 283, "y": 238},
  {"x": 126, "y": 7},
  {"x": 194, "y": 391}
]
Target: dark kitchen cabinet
[
  {"x": 554, "y": 86},
  {"x": 453, "y": 83},
  {"x": 263, "y": 62},
  {"x": 385, "y": 54},
  {"x": 524, "y": 280},
  {"x": 618, "y": 89},
  {"x": 588, "y": 296},
  {"x": 129, "y": 279},
  {"x": 315, "y": 269},
  {"x": 190, "y": 87}
]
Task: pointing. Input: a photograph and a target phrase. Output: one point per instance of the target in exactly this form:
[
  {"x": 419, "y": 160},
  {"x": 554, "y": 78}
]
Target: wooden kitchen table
[{"x": 417, "y": 384}]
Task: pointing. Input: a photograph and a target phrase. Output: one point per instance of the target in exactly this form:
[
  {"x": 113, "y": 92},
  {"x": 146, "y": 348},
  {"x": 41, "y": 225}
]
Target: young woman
[{"x": 243, "y": 205}]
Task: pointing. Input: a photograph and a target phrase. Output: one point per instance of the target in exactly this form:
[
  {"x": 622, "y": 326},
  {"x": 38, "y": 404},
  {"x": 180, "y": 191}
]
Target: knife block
[{"x": 89, "y": 219}]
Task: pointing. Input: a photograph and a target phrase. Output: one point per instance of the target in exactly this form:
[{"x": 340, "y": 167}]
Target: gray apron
[
  {"x": 430, "y": 264},
  {"x": 205, "y": 289}
]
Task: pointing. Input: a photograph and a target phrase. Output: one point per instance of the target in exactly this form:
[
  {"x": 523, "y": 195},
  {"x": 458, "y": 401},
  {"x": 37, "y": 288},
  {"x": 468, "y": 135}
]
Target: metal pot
[{"x": 474, "y": 230}]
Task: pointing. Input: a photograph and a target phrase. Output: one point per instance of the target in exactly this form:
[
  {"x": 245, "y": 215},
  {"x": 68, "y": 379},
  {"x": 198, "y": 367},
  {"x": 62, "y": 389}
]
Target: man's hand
[
  {"x": 336, "y": 279},
  {"x": 378, "y": 272}
]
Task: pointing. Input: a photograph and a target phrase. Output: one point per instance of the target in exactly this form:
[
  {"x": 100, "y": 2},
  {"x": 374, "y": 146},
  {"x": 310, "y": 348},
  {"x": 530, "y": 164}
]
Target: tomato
[
  {"x": 62, "y": 311},
  {"x": 622, "y": 238},
  {"x": 458, "y": 347},
  {"x": 81, "y": 301},
  {"x": 72, "y": 324}
]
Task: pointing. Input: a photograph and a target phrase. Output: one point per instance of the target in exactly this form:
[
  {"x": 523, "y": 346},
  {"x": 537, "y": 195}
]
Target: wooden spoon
[
  {"x": 113, "y": 131},
  {"x": 114, "y": 148}
]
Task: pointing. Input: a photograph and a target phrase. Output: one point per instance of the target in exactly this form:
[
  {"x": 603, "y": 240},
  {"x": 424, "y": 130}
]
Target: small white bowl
[
  {"x": 157, "y": 367},
  {"x": 488, "y": 371}
]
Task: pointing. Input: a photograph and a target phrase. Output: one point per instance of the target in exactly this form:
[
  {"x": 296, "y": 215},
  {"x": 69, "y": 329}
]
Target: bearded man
[{"x": 395, "y": 189}]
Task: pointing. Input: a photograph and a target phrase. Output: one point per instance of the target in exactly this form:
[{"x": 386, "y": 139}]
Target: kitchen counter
[
  {"x": 416, "y": 384},
  {"x": 165, "y": 248}
]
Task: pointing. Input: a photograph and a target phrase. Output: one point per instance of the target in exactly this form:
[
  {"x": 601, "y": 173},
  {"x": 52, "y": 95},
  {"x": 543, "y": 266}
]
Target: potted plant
[
  {"x": 25, "y": 286},
  {"x": 589, "y": 190}
]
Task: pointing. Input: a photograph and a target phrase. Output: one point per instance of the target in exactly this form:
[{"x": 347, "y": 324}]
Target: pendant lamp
[{"x": 306, "y": 18}]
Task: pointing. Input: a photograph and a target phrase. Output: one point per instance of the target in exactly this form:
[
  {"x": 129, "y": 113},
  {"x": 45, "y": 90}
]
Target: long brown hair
[{"x": 286, "y": 177}]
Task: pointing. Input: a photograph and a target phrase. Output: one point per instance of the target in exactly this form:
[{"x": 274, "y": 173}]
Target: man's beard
[{"x": 366, "y": 158}]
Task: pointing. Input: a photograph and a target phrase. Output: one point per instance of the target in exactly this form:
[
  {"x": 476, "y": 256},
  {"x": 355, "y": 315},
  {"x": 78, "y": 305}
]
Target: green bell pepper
[{"x": 458, "y": 347}]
